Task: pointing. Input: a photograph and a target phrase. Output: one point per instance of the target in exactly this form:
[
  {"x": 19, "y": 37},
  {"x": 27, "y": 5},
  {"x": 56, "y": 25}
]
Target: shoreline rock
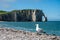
[{"x": 12, "y": 34}]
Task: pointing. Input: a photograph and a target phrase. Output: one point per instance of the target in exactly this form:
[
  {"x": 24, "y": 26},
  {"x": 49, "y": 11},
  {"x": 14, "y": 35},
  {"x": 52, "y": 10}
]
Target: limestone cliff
[{"x": 25, "y": 15}]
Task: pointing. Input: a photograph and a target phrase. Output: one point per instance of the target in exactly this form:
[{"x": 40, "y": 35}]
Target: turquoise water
[{"x": 51, "y": 27}]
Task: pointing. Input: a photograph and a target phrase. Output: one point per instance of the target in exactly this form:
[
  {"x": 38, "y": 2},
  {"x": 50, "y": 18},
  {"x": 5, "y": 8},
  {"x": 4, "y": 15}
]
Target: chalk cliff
[{"x": 26, "y": 15}]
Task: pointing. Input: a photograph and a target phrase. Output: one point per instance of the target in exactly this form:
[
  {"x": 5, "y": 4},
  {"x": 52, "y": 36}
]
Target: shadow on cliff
[{"x": 25, "y": 15}]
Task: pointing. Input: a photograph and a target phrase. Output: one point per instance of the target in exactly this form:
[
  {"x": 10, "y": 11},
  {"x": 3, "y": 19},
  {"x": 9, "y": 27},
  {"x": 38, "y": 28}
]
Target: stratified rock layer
[{"x": 25, "y": 15}]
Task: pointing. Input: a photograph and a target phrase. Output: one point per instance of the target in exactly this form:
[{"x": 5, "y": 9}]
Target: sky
[{"x": 51, "y": 8}]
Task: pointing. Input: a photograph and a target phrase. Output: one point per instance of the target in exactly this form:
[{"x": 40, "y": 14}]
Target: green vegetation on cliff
[
  {"x": 3, "y": 12},
  {"x": 22, "y": 15}
]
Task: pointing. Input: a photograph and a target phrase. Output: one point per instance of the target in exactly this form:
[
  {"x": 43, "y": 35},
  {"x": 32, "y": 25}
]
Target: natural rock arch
[{"x": 25, "y": 15}]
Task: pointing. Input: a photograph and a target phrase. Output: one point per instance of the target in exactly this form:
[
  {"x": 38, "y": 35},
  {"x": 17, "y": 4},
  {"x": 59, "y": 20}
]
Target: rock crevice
[{"x": 23, "y": 15}]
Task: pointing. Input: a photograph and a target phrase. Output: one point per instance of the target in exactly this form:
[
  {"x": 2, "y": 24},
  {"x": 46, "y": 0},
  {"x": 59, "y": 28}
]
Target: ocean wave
[
  {"x": 57, "y": 32},
  {"x": 23, "y": 28},
  {"x": 15, "y": 27}
]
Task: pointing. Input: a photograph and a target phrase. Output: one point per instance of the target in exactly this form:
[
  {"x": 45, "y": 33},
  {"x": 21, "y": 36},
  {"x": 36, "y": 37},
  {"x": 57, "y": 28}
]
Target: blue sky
[{"x": 51, "y": 8}]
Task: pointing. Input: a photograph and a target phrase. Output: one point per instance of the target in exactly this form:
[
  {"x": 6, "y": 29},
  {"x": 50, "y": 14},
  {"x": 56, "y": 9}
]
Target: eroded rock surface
[{"x": 25, "y": 15}]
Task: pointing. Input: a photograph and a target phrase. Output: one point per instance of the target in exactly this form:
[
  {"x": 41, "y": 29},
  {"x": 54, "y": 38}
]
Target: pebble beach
[{"x": 13, "y": 34}]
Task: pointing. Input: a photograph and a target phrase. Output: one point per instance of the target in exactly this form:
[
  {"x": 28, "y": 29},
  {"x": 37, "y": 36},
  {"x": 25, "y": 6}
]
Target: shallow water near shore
[{"x": 50, "y": 27}]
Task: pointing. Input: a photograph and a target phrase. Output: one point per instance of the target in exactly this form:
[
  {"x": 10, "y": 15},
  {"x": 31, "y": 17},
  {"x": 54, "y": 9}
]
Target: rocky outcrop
[{"x": 24, "y": 15}]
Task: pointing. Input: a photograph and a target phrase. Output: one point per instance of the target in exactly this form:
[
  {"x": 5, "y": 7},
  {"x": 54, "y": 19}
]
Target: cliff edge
[{"x": 25, "y": 15}]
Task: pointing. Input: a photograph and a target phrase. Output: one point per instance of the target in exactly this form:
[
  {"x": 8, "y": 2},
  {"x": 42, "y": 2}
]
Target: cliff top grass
[
  {"x": 3, "y": 12},
  {"x": 6, "y": 12}
]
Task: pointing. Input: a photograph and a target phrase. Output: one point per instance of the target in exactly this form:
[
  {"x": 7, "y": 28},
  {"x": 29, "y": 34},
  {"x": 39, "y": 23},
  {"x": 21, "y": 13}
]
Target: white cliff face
[
  {"x": 15, "y": 17},
  {"x": 34, "y": 16}
]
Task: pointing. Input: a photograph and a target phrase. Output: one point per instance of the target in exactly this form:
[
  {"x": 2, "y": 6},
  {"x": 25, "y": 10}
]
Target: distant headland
[{"x": 25, "y": 15}]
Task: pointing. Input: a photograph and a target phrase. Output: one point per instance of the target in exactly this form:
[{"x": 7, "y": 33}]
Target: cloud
[
  {"x": 6, "y": 3},
  {"x": 36, "y": 0},
  {"x": 7, "y": 0}
]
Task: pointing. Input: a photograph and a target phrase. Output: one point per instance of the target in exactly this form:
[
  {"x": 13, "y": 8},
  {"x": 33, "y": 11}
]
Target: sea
[{"x": 50, "y": 27}]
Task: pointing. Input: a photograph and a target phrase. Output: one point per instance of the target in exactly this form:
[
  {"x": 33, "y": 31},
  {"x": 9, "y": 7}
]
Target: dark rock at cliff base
[{"x": 25, "y": 15}]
